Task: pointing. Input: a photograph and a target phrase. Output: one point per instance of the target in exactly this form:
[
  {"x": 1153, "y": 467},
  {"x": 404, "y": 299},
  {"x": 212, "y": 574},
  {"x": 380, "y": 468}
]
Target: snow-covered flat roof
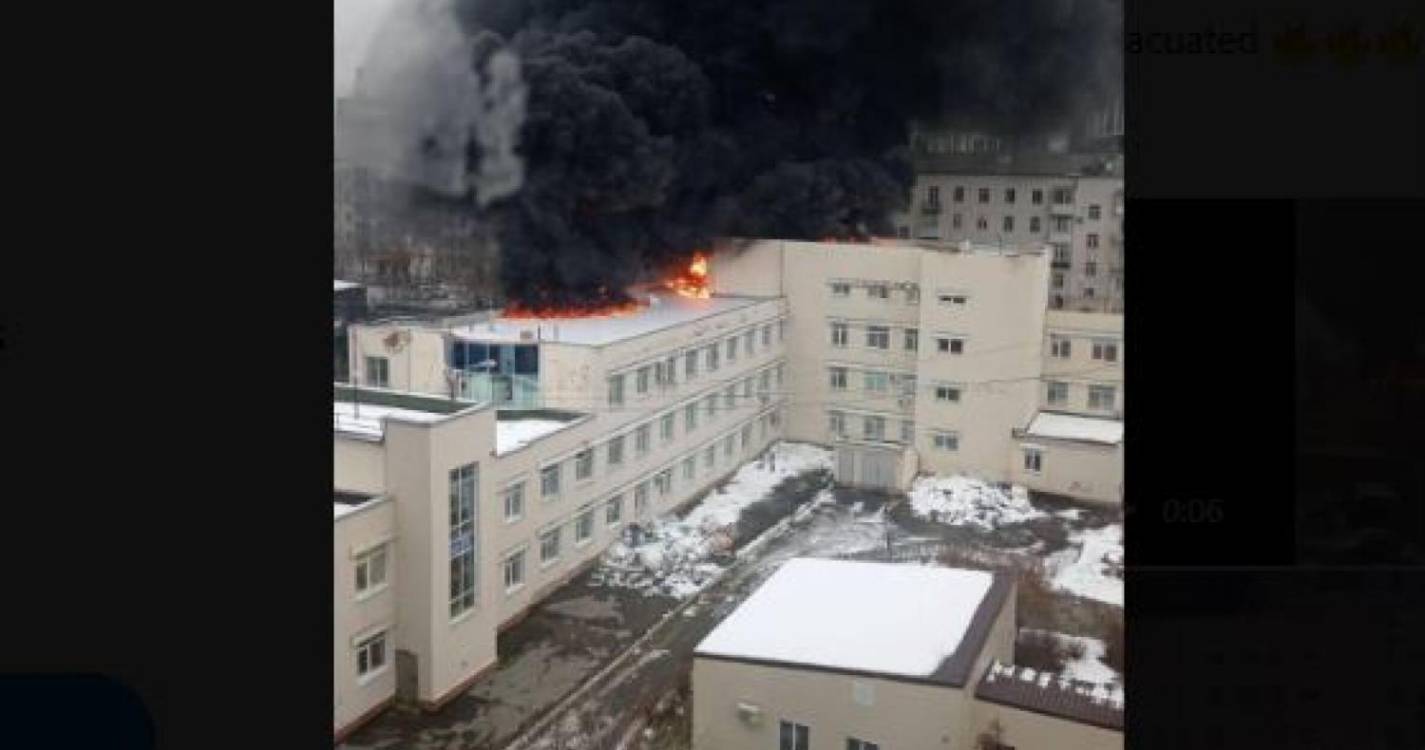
[
  {"x": 368, "y": 420},
  {"x": 665, "y": 310},
  {"x": 1070, "y": 427},
  {"x": 339, "y": 285},
  {"x": 879, "y": 618},
  {"x": 513, "y": 434}
]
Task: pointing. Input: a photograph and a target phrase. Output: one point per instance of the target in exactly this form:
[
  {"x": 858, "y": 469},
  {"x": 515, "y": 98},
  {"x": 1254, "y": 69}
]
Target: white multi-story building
[
  {"x": 482, "y": 461},
  {"x": 1051, "y": 199}
]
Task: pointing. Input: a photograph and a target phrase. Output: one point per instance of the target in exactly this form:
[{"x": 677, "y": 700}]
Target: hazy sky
[{"x": 354, "y": 24}]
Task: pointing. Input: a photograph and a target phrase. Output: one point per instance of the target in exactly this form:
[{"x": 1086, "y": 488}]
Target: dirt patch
[{"x": 785, "y": 498}]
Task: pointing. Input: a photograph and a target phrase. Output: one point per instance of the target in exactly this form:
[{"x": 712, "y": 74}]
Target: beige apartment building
[
  {"x": 481, "y": 508},
  {"x": 920, "y": 661},
  {"x": 1048, "y": 200}
]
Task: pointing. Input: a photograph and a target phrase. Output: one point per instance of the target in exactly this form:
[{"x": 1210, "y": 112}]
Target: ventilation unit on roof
[{"x": 749, "y": 713}]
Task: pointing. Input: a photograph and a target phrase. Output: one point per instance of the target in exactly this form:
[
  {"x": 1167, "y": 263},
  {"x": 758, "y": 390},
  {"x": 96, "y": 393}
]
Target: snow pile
[
  {"x": 1089, "y": 667},
  {"x": 1095, "y": 569},
  {"x": 959, "y": 500},
  {"x": 674, "y": 557}
]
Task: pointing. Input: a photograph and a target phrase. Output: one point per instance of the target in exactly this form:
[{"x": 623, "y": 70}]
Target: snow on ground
[
  {"x": 1090, "y": 667},
  {"x": 514, "y": 434},
  {"x": 1093, "y": 569},
  {"x": 958, "y": 500},
  {"x": 670, "y": 556},
  {"x": 799, "y": 615}
]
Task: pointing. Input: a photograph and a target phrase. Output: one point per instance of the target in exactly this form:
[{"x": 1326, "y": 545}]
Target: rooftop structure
[
  {"x": 662, "y": 311},
  {"x": 907, "y": 622},
  {"x": 346, "y": 501},
  {"x": 1073, "y": 427}
]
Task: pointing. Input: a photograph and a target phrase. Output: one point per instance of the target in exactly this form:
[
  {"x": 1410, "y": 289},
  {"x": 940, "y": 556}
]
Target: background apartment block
[{"x": 498, "y": 501}]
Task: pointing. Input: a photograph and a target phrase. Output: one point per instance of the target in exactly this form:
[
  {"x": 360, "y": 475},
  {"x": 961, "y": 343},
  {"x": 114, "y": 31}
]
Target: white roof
[
  {"x": 868, "y": 617},
  {"x": 514, "y": 434},
  {"x": 1067, "y": 426},
  {"x": 338, "y": 285},
  {"x": 369, "y": 422},
  {"x": 664, "y": 311}
]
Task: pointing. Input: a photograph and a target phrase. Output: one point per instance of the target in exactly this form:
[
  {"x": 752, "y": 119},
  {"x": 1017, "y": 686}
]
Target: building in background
[{"x": 921, "y": 660}]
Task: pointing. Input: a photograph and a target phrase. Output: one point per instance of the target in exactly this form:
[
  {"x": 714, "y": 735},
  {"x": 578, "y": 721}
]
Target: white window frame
[
  {"x": 513, "y": 489},
  {"x": 581, "y": 537},
  {"x": 544, "y": 483},
  {"x": 364, "y": 676},
  {"x": 584, "y": 465},
  {"x": 613, "y": 507},
  {"x": 667, "y": 426},
  {"x": 841, "y": 289},
  {"x": 1103, "y": 348},
  {"x": 1033, "y": 460},
  {"x": 949, "y": 389},
  {"x": 366, "y": 561},
  {"x": 944, "y": 440},
  {"x": 518, "y": 556},
  {"x": 840, "y": 334},
  {"x": 878, "y": 337},
  {"x": 556, "y": 534},
  {"x": 1059, "y": 386}
]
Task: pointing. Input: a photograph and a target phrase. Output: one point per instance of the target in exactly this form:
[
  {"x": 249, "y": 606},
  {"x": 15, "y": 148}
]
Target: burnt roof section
[
  {"x": 953, "y": 672},
  {"x": 1050, "y": 695}
]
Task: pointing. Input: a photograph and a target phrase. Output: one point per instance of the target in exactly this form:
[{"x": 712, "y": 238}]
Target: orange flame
[
  {"x": 517, "y": 311},
  {"x": 693, "y": 282}
]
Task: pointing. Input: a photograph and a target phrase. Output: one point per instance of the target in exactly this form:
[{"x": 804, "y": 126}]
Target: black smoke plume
[{"x": 653, "y": 127}]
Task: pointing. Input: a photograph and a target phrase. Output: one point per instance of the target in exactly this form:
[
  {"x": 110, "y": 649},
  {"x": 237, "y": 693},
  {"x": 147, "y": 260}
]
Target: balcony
[
  {"x": 1062, "y": 265},
  {"x": 930, "y": 209},
  {"x": 1060, "y": 237},
  {"x": 509, "y": 391},
  {"x": 1061, "y": 209}
]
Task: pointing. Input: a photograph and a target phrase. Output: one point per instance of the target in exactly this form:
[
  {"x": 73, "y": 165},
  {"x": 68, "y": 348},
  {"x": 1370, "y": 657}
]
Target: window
[
  {"x": 1090, "y": 268},
  {"x": 663, "y": 483},
  {"x": 1061, "y": 253},
  {"x": 549, "y": 546},
  {"x": 641, "y": 439},
  {"x": 371, "y": 570},
  {"x": 1105, "y": 350},
  {"x": 955, "y": 300},
  {"x": 878, "y": 291},
  {"x": 690, "y": 417},
  {"x": 641, "y": 380},
  {"x": 727, "y": 446},
  {"x": 838, "y": 378},
  {"x": 1059, "y": 347},
  {"x": 984, "y": 195},
  {"x": 549, "y": 481},
  {"x": 874, "y": 428},
  {"x": 711, "y": 404},
  {"x": 947, "y": 393},
  {"x": 514, "y": 571},
  {"x": 584, "y": 464},
  {"x": 613, "y": 510},
  {"x": 838, "y": 335},
  {"x": 878, "y": 337},
  {"x": 1094, "y": 211},
  {"x": 1058, "y": 394},
  {"x": 670, "y": 371},
  {"x": 947, "y": 345},
  {"x": 747, "y": 387},
  {"x": 746, "y": 439},
  {"x": 1033, "y": 460},
  {"x": 709, "y": 456},
  {"x": 764, "y": 382},
  {"x": 932, "y": 195},
  {"x": 1061, "y": 223},
  {"x": 1063, "y": 196},
  {"x": 877, "y": 382},
  {"x": 616, "y": 390},
  {"x": 616, "y": 450},
  {"x": 945, "y": 441},
  {"x": 1101, "y": 397},
  {"x": 371, "y": 655},
  {"x": 1035, "y": 224},
  {"x": 854, "y": 744},
  {"x": 840, "y": 289},
  {"x": 766, "y": 335},
  {"x": 1057, "y": 301},
  {"x": 732, "y": 349},
  {"x": 514, "y": 502},
  {"x": 1091, "y": 240},
  {"x": 665, "y": 427},
  {"x": 748, "y": 341},
  {"x": 837, "y": 423},
  {"x": 907, "y": 431},
  {"x": 959, "y": 194},
  {"x": 584, "y": 527},
  {"x": 1058, "y": 279},
  {"x": 1036, "y": 197},
  {"x": 912, "y": 295},
  {"x": 982, "y": 223},
  {"x": 794, "y": 737},
  {"x": 1009, "y": 223},
  {"x": 690, "y": 365},
  {"x": 712, "y": 358},
  {"x": 640, "y": 500},
  {"x": 464, "y": 482},
  {"x": 690, "y": 466},
  {"x": 781, "y": 330},
  {"x": 779, "y": 375},
  {"x": 378, "y": 372},
  {"x": 1009, "y": 195},
  {"x": 1088, "y": 292},
  {"x": 956, "y": 221},
  {"x": 729, "y": 397},
  {"x": 912, "y": 339}
]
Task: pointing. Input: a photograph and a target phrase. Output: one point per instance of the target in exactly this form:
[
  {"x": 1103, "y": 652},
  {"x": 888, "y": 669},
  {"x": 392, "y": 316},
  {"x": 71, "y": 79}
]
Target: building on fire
[{"x": 481, "y": 461}]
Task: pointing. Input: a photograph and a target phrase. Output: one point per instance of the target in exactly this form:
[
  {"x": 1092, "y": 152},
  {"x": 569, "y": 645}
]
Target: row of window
[
  {"x": 794, "y": 736},
  {"x": 873, "y": 427},
  {"x": 659, "y": 484},
  {"x": 1101, "y": 397},
  {"x": 1061, "y": 196},
  {"x": 877, "y": 290},
  {"x": 1101, "y": 349},
  {"x": 874, "y": 381},
  {"x": 663, "y": 373}
]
